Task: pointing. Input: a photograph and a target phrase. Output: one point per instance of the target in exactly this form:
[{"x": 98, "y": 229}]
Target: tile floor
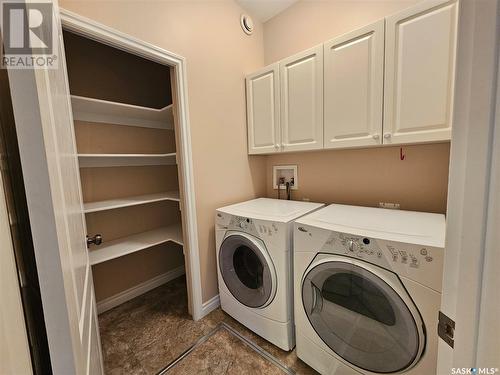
[
  {"x": 224, "y": 352},
  {"x": 144, "y": 335}
]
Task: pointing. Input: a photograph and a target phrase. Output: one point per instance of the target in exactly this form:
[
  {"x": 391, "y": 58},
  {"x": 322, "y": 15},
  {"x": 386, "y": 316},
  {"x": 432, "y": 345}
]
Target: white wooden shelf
[
  {"x": 112, "y": 204},
  {"x": 103, "y": 111},
  {"x": 125, "y": 160},
  {"x": 131, "y": 244}
]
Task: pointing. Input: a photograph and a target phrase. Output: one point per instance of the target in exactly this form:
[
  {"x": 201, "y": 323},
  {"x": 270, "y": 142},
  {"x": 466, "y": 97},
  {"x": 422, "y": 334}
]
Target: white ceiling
[{"x": 264, "y": 10}]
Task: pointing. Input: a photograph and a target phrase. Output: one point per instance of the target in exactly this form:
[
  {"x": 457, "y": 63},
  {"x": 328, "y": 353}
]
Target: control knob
[{"x": 351, "y": 245}]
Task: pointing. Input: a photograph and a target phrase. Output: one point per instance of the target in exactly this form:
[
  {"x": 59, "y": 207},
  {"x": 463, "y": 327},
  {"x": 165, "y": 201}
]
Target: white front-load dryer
[
  {"x": 254, "y": 265},
  {"x": 368, "y": 290}
]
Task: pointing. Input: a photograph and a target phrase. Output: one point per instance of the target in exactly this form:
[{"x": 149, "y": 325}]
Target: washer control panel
[
  {"x": 242, "y": 224},
  {"x": 259, "y": 228}
]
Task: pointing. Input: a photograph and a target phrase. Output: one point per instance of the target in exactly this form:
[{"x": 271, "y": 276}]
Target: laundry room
[{"x": 249, "y": 186}]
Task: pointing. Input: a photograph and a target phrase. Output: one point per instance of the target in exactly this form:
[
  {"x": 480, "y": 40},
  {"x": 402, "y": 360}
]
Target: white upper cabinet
[
  {"x": 353, "y": 79},
  {"x": 262, "y": 88},
  {"x": 419, "y": 73},
  {"x": 390, "y": 82},
  {"x": 301, "y": 81}
]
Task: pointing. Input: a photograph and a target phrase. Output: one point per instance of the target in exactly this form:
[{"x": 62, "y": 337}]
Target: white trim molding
[
  {"x": 210, "y": 305},
  {"x": 144, "y": 287},
  {"x": 96, "y": 31}
]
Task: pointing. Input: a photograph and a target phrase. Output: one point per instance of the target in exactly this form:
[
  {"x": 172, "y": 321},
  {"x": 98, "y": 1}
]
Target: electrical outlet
[{"x": 283, "y": 174}]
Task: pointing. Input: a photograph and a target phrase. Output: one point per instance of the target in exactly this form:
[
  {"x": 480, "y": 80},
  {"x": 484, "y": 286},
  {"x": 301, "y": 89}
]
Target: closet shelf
[
  {"x": 114, "y": 113},
  {"x": 112, "y": 204},
  {"x": 127, "y": 245},
  {"x": 125, "y": 160}
]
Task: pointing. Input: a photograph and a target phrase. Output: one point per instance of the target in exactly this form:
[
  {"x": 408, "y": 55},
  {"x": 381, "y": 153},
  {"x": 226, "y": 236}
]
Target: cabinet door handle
[
  {"x": 387, "y": 135},
  {"x": 376, "y": 136}
]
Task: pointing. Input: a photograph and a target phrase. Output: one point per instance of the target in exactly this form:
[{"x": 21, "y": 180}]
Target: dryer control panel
[
  {"x": 365, "y": 247},
  {"x": 423, "y": 264}
]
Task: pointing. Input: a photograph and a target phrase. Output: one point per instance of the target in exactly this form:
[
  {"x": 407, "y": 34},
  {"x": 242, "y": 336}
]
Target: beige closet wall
[
  {"x": 99, "y": 71},
  {"x": 218, "y": 54},
  {"x": 366, "y": 176}
]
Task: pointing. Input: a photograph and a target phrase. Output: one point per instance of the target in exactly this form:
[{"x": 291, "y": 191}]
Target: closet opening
[{"x": 127, "y": 137}]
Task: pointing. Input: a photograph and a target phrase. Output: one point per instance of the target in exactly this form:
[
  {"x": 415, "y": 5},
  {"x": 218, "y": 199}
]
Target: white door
[
  {"x": 44, "y": 125},
  {"x": 263, "y": 105},
  {"x": 471, "y": 281},
  {"x": 15, "y": 351},
  {"x": 354, "y": 80},
  {"x": 419, "y": 72},
  {"x": 301, "y": 81}
]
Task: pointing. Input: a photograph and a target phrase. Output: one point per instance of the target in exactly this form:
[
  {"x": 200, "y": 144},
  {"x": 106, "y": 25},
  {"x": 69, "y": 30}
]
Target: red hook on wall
[{"x": 401, "y": 155}]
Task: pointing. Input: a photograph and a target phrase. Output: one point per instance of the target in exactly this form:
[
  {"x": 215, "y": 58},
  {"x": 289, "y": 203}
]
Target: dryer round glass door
[
  {"x": 361, "y": 317},
  {"x": 247, "y": 270}
]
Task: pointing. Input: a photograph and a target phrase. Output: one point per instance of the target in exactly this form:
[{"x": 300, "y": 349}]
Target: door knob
[{"x": 96, "y": 240}]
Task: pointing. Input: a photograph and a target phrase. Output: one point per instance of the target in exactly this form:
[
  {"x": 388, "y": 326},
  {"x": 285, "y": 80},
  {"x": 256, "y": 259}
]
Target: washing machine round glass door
[
  {"x": 362, "y": 318},
  {"x": 247, "y": 270}
]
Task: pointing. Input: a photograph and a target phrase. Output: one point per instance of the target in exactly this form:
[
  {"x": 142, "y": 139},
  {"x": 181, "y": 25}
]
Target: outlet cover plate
[{"x": 286, "y": 171}]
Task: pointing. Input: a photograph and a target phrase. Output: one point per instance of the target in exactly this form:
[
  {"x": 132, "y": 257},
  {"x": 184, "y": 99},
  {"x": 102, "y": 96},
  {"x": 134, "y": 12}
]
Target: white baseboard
[
  {"x": 146, "y": 286},
  {"x": 210, "y": 305}
]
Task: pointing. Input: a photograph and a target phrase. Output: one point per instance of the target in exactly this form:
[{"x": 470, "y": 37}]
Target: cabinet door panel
[
  {"x": 302, "y": 100},
  {"x": 419, "y": 75},
  {"x": 263, "y": 110},
  {"x": 354, "y": 74}
]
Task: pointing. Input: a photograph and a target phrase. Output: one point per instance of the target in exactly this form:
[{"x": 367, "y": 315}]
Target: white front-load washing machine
[
  {"x": 254, "y": 265},
  {"x": 368, "y": 290}
]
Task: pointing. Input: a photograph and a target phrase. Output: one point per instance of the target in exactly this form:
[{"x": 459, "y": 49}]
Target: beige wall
[
  {"x": 111, "y": 279},
  {"x": 307, "y": 23},
  {"x": 218, "y": 54},
  {"x": 366, "y": 176},
  {"x": 96, "y": 70}
]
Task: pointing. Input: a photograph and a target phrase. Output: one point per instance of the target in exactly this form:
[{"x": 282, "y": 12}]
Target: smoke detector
[{"x": 246, "y": 24}]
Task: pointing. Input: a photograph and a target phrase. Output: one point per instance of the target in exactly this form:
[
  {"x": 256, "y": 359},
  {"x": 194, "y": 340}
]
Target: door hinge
[{"x": 446, "y": 329}]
